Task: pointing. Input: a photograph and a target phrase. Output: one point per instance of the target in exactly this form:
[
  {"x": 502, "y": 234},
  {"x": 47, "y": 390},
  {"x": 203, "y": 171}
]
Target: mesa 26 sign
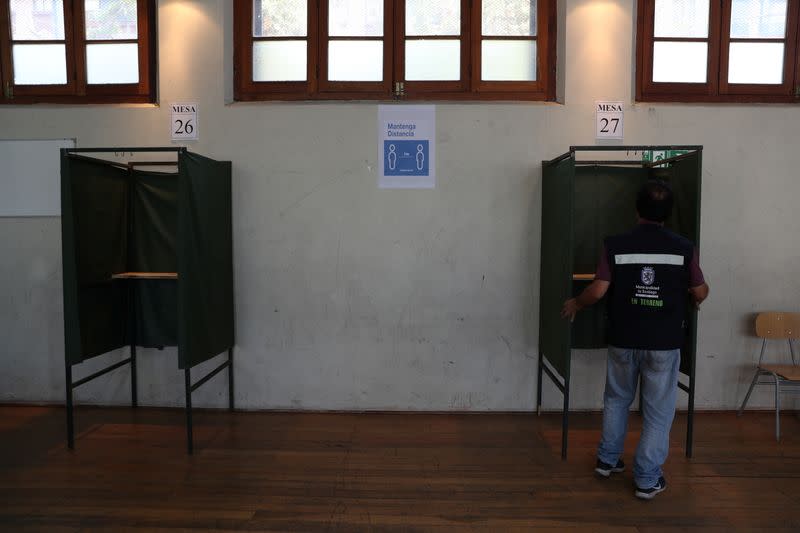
[
  {"x": 609, "y": 120},
  {"x": 183, "y": 123}
]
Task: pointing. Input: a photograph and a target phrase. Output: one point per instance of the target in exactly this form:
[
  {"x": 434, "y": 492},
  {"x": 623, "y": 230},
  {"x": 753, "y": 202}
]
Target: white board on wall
[{"x": 30, "y": 177}]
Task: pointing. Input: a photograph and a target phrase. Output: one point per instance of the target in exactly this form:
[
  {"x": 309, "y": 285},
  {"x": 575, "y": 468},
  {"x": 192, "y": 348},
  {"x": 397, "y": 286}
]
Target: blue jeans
[{"x": 659, "y": 379}]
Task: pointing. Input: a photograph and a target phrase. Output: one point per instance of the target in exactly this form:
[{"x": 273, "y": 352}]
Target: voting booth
[
  {"x": 147, "y": 261},
  {"x": 589, "y": 193}
]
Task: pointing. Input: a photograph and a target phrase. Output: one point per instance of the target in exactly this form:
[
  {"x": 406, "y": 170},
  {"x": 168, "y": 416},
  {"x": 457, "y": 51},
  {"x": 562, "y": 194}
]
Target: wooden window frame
[
  {"x": 716, "y": 88},
  {"x": 77, "y": 90},
  {"x": 469, "y": 87}
]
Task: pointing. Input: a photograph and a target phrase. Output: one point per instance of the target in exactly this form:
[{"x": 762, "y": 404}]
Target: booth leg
[
  {"x": 690, "y": 419},
  {"x": 539, "y": 385},
  {"x": 70, "y": 420},
  {"x": 565, "y": 421},
  {"x": 189, "y": 439},
  {"x": 230, "y": 379},
  {"x": 134, "y": 395}
]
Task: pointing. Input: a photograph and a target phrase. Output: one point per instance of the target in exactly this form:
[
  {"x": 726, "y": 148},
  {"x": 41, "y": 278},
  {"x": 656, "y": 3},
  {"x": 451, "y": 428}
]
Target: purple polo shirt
[{"x": 696, "y": 277}]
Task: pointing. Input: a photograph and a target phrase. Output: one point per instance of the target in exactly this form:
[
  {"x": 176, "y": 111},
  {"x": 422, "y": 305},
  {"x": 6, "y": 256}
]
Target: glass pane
[
  {"x": 758, "y": 19},
  {"x": 680, "y": 62},
  {"x": 37, "y": 20},
  {"x": 681, "y": 18},
  {"x": 280, "y": 61},
  {"x": 40, "y": 64},
  {"x": 355, "y": 61},
  {"x": 428, "y": 60},
  {"x": 424, "y": 17},
  {"x": 509, "y": 17},
  {"x": 280, "y": 18},
  {"x": 112, "y": 63},
  {"x": 756, "y": 63},
  {"x": 508, "y": 60},
  {"x": 114, "y": 19},
  {"x": 355, "y": 18}
]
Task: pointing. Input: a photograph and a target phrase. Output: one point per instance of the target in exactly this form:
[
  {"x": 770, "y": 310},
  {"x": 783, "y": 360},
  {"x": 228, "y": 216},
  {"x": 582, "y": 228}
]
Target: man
[{"x": 648, "y": 274}]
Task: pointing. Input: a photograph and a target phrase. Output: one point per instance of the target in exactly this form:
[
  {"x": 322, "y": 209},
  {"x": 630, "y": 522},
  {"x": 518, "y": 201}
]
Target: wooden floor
[{"x": 380, "y": 472}]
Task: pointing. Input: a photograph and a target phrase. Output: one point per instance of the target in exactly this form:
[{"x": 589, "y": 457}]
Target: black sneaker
[
  {"x": 649, "y": 494},
  {"x": 605, "y": 469}
]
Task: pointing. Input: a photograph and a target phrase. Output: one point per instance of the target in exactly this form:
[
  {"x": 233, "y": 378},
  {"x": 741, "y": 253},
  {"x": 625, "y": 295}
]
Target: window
[
  {"x": 77, "y": 51},
  {"x": 718, "y": 50},
  {"x": 382, "y": 49}
]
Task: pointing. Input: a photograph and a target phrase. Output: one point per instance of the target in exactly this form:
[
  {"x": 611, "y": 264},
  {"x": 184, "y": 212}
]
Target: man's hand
[
  {"x": 590, "y": 296},
  {"x": 571, "y": 307},
  {"x": 699, "y": 294}
]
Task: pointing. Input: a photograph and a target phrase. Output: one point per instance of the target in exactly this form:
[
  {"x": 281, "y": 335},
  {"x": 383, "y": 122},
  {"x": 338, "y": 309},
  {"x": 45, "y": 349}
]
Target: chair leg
[
  {"x": 777, "y": 409},
  {"x": 749, "y": 392}
]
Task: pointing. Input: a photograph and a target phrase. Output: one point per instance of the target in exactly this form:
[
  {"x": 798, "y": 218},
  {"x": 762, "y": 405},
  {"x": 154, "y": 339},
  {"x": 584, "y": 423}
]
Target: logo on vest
[{"x": 648, "y": 275}]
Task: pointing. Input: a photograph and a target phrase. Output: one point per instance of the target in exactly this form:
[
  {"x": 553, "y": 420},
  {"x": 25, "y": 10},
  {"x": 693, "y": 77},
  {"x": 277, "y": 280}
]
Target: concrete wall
[{"x": 350, "y": 297}]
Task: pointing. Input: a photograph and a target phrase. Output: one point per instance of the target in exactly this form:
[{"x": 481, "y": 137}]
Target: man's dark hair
[{"x": 654, "y": 201}]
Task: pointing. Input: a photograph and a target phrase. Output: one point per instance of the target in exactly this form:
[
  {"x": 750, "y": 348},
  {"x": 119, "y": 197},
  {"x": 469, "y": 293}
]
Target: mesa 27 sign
[{"x": 608, "y": 120}]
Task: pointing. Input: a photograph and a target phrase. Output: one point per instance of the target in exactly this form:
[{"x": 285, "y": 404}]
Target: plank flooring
[{"x": 263, "y": 471}]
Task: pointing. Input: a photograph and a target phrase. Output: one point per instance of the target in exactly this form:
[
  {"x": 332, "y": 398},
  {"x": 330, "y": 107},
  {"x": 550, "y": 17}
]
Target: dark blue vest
[{"x": 649, "y": 283}]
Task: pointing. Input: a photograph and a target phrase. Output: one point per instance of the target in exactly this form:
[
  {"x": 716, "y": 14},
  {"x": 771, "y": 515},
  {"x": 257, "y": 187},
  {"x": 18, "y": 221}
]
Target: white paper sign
[
  {"x": 608, "y": 120},
  {"x": 406, "y": 146},
  {"x": 183, "y": 125}
]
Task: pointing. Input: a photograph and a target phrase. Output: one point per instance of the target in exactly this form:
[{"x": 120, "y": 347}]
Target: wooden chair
[{"x": 776, "y": 325}]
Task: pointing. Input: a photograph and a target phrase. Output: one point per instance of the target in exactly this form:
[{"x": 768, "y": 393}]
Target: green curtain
[
  {"x": 685, "y": 177},
  {"x": 154, "y": 228},
  {"x": 558, "y": 185},
  {"x": 605, "y": 204},
  {"x": 205, "y": 259},
  {"x": 118, "y": 220},
  {"x": 94, "y": 242}
]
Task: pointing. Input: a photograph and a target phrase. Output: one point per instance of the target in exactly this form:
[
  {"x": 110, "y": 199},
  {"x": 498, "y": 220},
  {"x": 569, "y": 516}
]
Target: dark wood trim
[
  {"x": 545, "y": 53},
  {"x": 245, "y": 88},
  {"x": 412, "y": 95},
  {"x": 77, "y": 90},
  {"x": 717, "y": 89},
  {"x": 47, "y": 90},
  {"x": 381, "y": 88},
  {"x": 79, "y": 47},
  {"x": 789, "y": 58},
  {"x": 5, "y": 51},
  {"x": 468, "y": 88},
  {"x": 646, "y": 40},
  {"x": 418, "y": 89}
]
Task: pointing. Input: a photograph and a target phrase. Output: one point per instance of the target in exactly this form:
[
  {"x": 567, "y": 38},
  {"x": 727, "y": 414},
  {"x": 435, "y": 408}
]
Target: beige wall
[{"x": 350, "y": 297}]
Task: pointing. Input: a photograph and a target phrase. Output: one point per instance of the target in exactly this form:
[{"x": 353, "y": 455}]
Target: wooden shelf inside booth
[{"x": 145, "y": 275}]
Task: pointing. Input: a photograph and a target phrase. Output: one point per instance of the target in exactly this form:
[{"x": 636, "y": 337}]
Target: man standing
[{"x": 648, "y": 274}]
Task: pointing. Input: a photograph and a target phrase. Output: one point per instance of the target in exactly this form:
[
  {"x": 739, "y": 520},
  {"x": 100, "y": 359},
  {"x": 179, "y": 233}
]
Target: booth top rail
[
  {"x": 624, "y": 148},
  {"x": 125, "y": 149}
]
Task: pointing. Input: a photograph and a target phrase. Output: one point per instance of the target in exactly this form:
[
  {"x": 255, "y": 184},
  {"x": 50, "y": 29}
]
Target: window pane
[
  {"x": 680, "y": 62},
  {"x": 424, "y": 17},
  {"x": 112, "y": 63},
  {"x": 508, "y": 60},
  {"x": 37, "y": 20},
  {"x": 355, "y": 61},
  {"x": 115, "y": 19},
  {"x": 280, "y": 61},
  {"x": 280, "y": 18},
  {"x": 509, "y": 17},
  {"x": 756, "y": 63},
  {"x": 355, "y": 18},
  {"x": 40, "y": 64},
  {"x": 758, "y": 19},
  {"x": 438, "y": 60},
  {"x": 681, "y": 18}
]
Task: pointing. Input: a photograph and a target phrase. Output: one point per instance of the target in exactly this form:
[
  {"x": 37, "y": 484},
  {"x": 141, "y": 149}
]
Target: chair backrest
[{"x": 778, "y": 325}]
